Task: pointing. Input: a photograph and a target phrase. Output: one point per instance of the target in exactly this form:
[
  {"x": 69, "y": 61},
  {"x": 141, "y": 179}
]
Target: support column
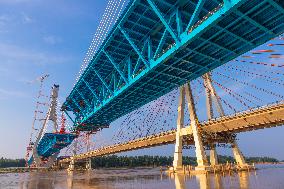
[
  {"x": 199, "y": 148},
  {"x": 238, "y": 155},
  {"x": 214, "y": 95},
  {"x": 51, "y": 160},
  {"x": 177, "y": 163},
  {"x": 236, "y": 151},
  {"x": 89, "y": 161},
  {"x": 213, "y": 155},
  {"x": 89, "y": 164},
  {"x": 71, "y": 166},
  {"x": 210, "y": 115}
]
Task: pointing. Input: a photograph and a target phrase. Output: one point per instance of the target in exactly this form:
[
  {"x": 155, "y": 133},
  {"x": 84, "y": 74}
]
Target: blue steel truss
[
  {"x": 52, "y": 143},
  {"x": 158, "y": 45}
]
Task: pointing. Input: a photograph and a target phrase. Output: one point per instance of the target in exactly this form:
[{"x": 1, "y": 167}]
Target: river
[{"x": 266, "y": 177}]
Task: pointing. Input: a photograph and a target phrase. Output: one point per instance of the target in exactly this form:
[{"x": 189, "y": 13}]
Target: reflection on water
[
  {"x": 209, "y": 181},
  {"x": 265, "y": 177}
]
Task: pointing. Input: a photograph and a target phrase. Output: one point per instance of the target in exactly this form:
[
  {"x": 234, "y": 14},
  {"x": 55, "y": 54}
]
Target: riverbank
[
  {"x": 269, "y": 163},
  {"x": 14, "y": 170}
]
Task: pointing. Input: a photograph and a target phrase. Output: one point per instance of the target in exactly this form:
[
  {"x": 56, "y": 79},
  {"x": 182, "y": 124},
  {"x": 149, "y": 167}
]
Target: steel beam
[
  {"x": 116, "y": 67},
  {"x": 120, "y": 79},
  {"x": 134, "y": 46},
  {"x": 179, "y": 22},
  {"x": 103, "y": 81},
  {"x": 129, "y": 65},
  {"x": 163, "y": 20},
  {"x": 92, "y": 91},
  {"x": 278, "y": 7},
  {"x": 195, "y": 14},
  {"x": 161, "y": 44},
  {"x": 82, "y": 96}
]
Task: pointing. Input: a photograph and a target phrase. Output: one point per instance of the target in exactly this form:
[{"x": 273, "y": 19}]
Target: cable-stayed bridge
[
  {"x": 260, "y": 118},
  {"x": 156, "y": 47}
]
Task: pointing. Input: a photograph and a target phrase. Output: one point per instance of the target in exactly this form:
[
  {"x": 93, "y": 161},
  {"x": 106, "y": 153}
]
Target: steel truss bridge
[
  {"x": 260, "y": 118},
  {"x": 158, "y": 45}
]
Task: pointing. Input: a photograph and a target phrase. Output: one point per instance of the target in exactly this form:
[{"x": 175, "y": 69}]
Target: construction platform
[{"x": 52, "y": 143}]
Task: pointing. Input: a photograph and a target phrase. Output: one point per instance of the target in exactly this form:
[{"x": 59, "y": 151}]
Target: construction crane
[
  {"x": 44, "y": 145},
  {"x": 37, "y": 112}
]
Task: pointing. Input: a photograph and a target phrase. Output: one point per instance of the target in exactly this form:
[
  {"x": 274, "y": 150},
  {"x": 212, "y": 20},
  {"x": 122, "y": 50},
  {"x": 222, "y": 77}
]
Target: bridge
[
  {"x": 157, "y": 46},
  {"x": 260, "y": 118}
]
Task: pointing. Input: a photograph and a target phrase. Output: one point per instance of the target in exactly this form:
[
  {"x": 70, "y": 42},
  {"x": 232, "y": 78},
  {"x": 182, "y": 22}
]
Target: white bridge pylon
[
  {"x": 211, "y": 97},
  {"x": 50, "y": 116}
]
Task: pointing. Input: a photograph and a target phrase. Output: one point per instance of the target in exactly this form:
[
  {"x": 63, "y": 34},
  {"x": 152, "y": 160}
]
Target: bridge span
[
  {"x": 259, "y": 118},
  {"x": 159, "y": 45}
]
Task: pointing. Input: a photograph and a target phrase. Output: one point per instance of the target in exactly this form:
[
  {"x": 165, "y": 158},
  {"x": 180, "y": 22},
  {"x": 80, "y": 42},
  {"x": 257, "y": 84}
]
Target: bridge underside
[
  {"x": 260, "y": 118},
  {"x": 52, "y": 143},
  {"x": 158, "y": 45}
]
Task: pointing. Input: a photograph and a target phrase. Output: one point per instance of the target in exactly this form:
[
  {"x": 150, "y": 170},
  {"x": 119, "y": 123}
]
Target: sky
[
  {"x": 51, "y": 37},
  {"x": 39, "y": 37}
]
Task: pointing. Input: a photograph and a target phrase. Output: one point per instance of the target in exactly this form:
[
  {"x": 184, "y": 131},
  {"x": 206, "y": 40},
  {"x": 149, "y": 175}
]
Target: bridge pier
[
  {"x": 213, "y": 155},
  {"x": 202, "y": 163},
  {"x": 89, "y": 164},
  {"x": 177, "y": 164},
  {"x": 238, "y": 155},
  {"x": 71, "y": 166},
  {"x": 186, "y": 92},
  {"x": 211, "y": 95}
]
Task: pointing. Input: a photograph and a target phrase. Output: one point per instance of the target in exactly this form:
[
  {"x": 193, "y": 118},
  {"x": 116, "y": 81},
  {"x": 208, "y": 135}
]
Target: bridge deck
[
  {"x": 260, "y": 118},
  {"x": 158, "y": 45}
]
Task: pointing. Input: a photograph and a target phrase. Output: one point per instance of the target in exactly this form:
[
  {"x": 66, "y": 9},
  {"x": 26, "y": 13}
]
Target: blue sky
[{"x": 38, "y": 37}]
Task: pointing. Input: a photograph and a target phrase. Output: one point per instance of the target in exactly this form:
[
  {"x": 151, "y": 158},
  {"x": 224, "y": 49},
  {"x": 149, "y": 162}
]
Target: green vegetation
[
  {"x": 262, "y": 159},
  {"x": 5, "y": 163},
  {"x": 140, "y": 161},
  {"x": 153, "y": 161}
]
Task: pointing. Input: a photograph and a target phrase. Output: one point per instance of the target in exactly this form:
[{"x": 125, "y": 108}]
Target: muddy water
[{"x": 267, "y": 177}]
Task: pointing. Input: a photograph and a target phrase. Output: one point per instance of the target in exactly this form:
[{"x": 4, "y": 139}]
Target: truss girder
[{"x": 147, "y": 48}]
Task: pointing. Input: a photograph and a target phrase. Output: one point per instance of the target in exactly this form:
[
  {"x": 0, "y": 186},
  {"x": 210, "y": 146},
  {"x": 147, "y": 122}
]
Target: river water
[{"x": 267, "y": 177}]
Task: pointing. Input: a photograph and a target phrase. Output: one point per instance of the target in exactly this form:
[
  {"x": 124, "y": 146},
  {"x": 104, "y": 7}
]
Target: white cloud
[
  {"x": 4, "y": 20},
  {"x": 14, "y": 1},
  {"x": 26, "y": 19},
  {"x": 52, "y": 40},
  {"x": 4, "y": 93},
  {"x": 12, "y": 54},
  {"x": 8, "y": 20}
]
